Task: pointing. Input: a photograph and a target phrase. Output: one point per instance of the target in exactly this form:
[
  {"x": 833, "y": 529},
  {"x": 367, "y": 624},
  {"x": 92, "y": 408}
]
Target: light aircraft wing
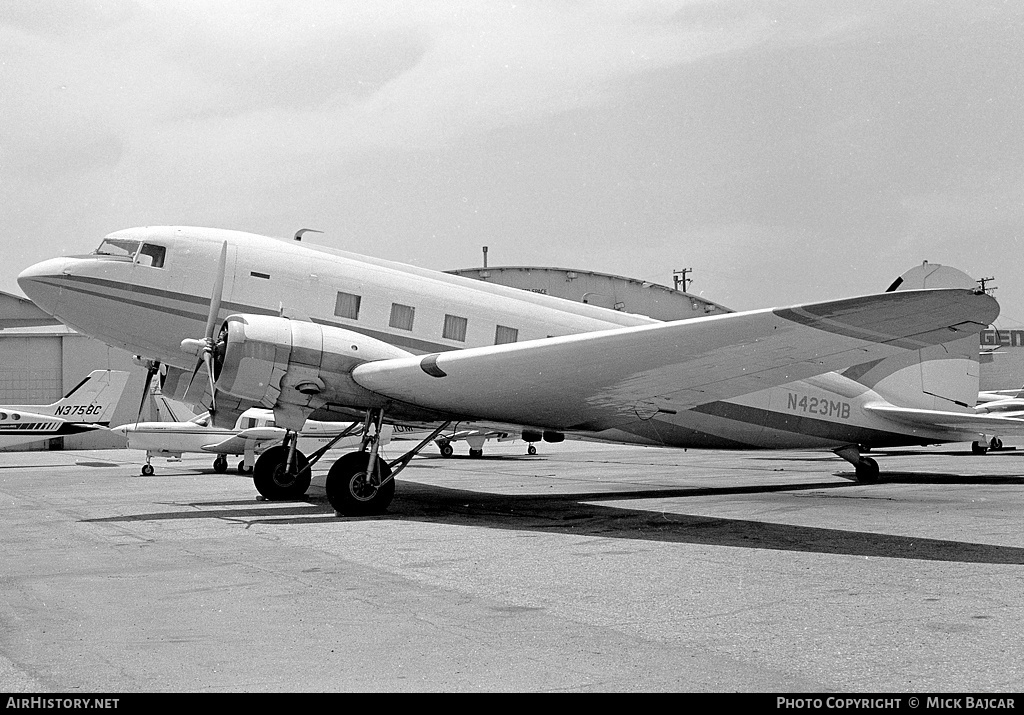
[
  {"x": 602, "y": 379},
  {"x": 966, "y": 421},
  {"x": 236, "y": 444}
]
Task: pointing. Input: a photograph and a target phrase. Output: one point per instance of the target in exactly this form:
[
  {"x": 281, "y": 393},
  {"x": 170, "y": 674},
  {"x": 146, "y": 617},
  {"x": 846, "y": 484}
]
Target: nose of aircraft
[{"x": 41, "y": 283}]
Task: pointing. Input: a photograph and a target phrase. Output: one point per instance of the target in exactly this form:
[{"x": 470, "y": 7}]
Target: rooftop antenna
[
  {"x": 298, "y": 234},
  {"x": 485, "y": 256}
]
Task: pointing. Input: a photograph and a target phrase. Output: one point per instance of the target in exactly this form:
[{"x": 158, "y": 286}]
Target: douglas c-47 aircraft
[
  {"x": 88, "y": 406},
  {"x": 316, "y": 333}
]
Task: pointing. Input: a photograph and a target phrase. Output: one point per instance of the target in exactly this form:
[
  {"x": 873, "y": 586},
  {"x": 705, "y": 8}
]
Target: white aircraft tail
[
  {"x": 939, "y": 377},
  {"x": 169, "y": 410},
  {"x": 92, "y": 401}
]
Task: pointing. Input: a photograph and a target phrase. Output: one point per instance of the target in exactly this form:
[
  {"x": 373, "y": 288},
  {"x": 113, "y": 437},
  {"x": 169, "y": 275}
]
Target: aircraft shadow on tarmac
[{"x": 571, "y": 514}]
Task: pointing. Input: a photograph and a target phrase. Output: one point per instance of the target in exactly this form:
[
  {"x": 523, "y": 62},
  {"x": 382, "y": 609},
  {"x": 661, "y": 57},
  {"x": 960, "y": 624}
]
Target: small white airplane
[
  {"x": 311, "y": 332},
  {"x": 88, "y": 406},
  {"x": 180, "y": 431}
]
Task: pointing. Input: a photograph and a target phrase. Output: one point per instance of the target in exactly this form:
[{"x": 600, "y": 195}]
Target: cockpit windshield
[
  {"x": 118, "y": 247},
  {"x": 146, "y": 254}
]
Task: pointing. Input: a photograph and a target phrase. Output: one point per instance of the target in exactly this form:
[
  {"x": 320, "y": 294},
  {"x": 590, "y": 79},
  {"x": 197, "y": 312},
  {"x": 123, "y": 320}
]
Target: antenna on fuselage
[{"x": 298, "y": 234}]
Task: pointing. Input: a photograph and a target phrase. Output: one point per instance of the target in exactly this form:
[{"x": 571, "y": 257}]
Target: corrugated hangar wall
[{"x": 41, "y": 360}]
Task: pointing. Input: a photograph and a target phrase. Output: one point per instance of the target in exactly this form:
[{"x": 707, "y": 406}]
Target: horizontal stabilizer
[{"x": 966, "y": 421}]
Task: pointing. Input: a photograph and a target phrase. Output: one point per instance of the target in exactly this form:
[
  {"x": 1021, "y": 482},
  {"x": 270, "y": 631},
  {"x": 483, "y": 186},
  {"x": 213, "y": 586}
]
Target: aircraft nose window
[{"x": 118, "y": 248}]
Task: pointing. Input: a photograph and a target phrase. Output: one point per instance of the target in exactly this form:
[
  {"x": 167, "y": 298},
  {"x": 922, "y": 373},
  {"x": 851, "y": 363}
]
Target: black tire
[
  {"x": 995, "y": 443},
  {"x": 348, "y": 491},
  {"x": 242, "y": 469},
  {"x": 531, "y": 450},
  {"x": 446, "y": 448},
  {"x": 476, "y": 453},
  {"x": 220, "y": 464},
  {"x": 867, "y": 471},
  {"x": 147, "y": 470},
  {"x": 979, "y": 448},
  {"x": 270, "y": 479}
]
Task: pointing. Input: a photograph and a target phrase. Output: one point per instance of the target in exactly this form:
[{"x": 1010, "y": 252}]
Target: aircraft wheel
[
  {"x": 996, "y": 443},
  {"x": 978, "y": 448},
  {"x": 351, "y": 494},
  {"x": 476, "y": 453},
  {"x": 531, "y": 450},
  {"x": 147, "y": 470},
  {"x": 273, "y": 482},
  {"x": 220, "y": 464},
  {"x": 867, "y": 471},
  {"x": 446, "y": 449},
  {"x": 242, "y": 469}
]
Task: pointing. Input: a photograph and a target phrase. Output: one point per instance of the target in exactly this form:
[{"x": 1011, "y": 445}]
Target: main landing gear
[
  {"x": 361, "y": 483},
  {"x": 866, "y": 468},
  {"x": 358, "y": 483}
]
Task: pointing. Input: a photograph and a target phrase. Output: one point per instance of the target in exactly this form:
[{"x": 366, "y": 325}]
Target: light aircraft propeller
[{"x": 209, "y": 349}]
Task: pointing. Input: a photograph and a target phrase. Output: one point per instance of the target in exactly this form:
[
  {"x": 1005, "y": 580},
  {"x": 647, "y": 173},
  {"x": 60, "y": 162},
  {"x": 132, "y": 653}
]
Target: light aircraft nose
[{"x": 41, "y": 283}]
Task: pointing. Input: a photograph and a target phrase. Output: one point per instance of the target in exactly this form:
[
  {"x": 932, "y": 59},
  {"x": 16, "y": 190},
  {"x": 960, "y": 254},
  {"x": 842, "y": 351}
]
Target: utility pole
[
  {"x": 680, "y": 279},
  {"x": 485, "y": 256},
  {"x": 984, "y": 287}
]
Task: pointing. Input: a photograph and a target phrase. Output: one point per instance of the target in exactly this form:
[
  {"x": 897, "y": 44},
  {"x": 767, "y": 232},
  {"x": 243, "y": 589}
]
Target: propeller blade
[
  {"x": 208, "y": 359},
  {"x": 218, "y": 290},
  {"x": 145, "y": 393},
  {"x": 189, "y": 385}
]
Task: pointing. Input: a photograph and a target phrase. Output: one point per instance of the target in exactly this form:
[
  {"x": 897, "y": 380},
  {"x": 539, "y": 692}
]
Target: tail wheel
[
  {"x": 350, "y": 491},
  {"x": 867, "y": 471},
  {"x": 273, "y": 481}
]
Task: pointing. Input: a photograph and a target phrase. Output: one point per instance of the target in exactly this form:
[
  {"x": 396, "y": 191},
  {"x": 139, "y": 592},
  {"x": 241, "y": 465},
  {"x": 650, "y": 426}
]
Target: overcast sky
[{"x": 784, "y": 151}]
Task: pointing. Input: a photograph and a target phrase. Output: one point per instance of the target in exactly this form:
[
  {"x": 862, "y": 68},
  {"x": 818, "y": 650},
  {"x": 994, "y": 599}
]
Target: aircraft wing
[
  {"x": 604, "y": 379},
  {"x": 236, "y": 443},
  {"x": 965, "y": 421}
]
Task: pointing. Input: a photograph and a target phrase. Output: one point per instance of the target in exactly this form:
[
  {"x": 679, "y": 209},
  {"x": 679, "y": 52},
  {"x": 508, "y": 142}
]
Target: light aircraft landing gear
[
  {"x": 531, "y": 450},
  {"x": 979, "y": 447},
  {"x": 220, "y": 464},
  {"x": 242, "y": 469},
  {"x": 866, "y": 468},
  {"x": 282, "y": 472},
  {"x": 446, "y": 447},
  {"x": 147, "y": 470}
]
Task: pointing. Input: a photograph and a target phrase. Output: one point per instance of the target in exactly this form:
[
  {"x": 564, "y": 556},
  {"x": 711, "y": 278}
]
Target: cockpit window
[
  {"x": 118, "y": 248},
  {"x": 151, "y": 255},
  {"x": 145, "y": 254}
]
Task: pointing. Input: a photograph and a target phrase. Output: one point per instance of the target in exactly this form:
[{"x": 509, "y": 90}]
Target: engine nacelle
[{"x": 271, "y": 360}]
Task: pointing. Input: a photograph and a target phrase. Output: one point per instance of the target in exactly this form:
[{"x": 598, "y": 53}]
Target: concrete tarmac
[{"x": 586, "y": 568}]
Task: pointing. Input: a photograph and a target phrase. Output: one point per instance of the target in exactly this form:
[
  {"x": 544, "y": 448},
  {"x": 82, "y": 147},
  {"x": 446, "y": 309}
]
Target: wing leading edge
[{"x": 605, "y": 379}]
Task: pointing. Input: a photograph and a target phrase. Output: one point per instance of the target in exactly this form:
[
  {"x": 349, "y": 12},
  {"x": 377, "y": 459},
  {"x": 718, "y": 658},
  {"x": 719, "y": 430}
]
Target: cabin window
[
  {"x": 503, "y": 334},
  {"x": 402, "y": 316},
  {"x": 347, "y": 305},
  {"x": 454, "y": 328},
  {"x": 249, "y": 423},
  {"x": 151, "y": 255}
]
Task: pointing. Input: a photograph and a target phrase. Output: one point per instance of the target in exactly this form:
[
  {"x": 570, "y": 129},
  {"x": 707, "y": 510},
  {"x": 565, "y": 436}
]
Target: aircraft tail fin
[
  {"x": 170, "y": 411},
  {"x": 938, "y": 377},
  {"x": 92, "y": 401}
]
